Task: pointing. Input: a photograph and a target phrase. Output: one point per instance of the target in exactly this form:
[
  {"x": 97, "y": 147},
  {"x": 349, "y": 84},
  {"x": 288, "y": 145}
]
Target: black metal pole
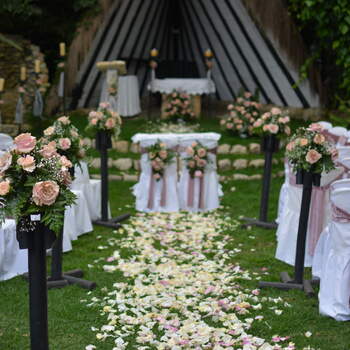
[
  {"x": 56, "y": 262},
  {"x": 302, "y": 230},
  {"x": 39, "y": 337},
  {"x": 104, "y": 184},
  {"x": 265, "y": 193}
]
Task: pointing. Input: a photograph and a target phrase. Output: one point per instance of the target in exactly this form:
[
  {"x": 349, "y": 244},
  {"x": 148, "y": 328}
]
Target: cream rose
[
  {"x": 64, "y": 120},
  {"x": 49, "y": 150},
  {"x": 25, "y": 143},
  {"x": 303, "y": 142},
  {"x": 290, "y": 146},
  {"x": 49, "y": 131},
  {"x": 275, "y": 111},
  {"x": 190, "y": 151},
  {"x": 5, "y": 161},
  {"x": 319, "y": 139},
  {"x": 65, "y": 162},
  {"x": 64, "y": 143},
  {"x": 45, "y": 192},
  {"x": 313, "y": 156},
  {"x": 4, "y": 187},
  {"x": 110, "y": 123},
  {"x": 163, "y": 154},
  {"x": 202, "y": 152},
  {"x": 27, "y": 163},
  {"x": 273, "y": 128}
]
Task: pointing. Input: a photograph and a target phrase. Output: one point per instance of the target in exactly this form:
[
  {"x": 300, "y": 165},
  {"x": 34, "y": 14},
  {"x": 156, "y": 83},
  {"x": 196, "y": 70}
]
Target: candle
[
  {"x": 2, "y": 84},
  {"x": 62, "y": 49},
  {"x": 37, "y": 66},
  {"x": 23, "y": 73},
  {"x": 154, "y": 52},
  {"x": 208, "y": 53}
]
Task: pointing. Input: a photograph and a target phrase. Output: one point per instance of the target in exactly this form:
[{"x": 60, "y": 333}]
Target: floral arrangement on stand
[
  {"x": 160, "y": 157},
  {"x": 64, "y": 137},
  {"x": 242, "y": 115},
  {"x": 178, "y": 107},
  {"x": 34, "y": 178},
  {"x": 275, "y": 122},
  {"x": 197, "y": 159},
  {"x": 104, "y": 119},
  {"x": 308, "y": 150}
]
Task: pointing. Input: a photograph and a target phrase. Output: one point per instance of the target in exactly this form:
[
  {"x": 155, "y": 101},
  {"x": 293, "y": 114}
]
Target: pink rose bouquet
[
  {"x": 241, "y": 115},
  {"x": 308, "y": 150},
  {"x": 197, "y": 159},
  {"x": 179, "y": 107},
  {"x": 104, "y": 119},
  {"x": 34, "y": 178},
  {"x": 63, "y": 138},
  {"x": 274, "y": 122},
  {"x": 160, "y": 157}
]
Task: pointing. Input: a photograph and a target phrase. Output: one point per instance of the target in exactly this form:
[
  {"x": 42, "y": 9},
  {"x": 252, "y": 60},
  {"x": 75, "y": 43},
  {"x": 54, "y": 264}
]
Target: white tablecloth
[{"x": 191, "y": 86}]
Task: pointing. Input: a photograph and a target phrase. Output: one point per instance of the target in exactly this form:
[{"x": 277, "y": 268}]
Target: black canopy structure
[{"x": 245, "y": 56}]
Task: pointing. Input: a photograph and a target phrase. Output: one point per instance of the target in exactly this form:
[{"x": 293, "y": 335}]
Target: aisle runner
[{"x": 180, "y": 290}]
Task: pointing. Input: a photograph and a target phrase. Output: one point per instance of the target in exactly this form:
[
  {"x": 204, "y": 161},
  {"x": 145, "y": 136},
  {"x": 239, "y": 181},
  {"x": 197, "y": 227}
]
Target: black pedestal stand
[
  {"x": 59, "y": 279},
  {"x": 269, "y": 145},
  {"x": 103, "y": 143},
  {"x": 307, "y": 179},
  {"x": 36, "y": 237}
]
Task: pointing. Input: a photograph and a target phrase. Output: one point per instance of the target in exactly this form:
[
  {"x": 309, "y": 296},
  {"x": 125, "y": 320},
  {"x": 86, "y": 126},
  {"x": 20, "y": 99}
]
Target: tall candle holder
[
  {"x": 20, "y": 102},
  {"x": 153, "y": 63}
]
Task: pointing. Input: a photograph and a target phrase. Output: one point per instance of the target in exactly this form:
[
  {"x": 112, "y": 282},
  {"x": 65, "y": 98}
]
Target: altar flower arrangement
[
  {"x": 197, "y": 159},
  {"x": 34, "y": 178},
  {"x": 308, "y": 150},
  {"x": 64, "y": 137},
  {"x": 104, "y": 119},
  {"x": 179, "y": 107},
  {"x": 160, "y": 157},
  {"x": 274, "y": 122},
  {"x": 242, "y": 115}
]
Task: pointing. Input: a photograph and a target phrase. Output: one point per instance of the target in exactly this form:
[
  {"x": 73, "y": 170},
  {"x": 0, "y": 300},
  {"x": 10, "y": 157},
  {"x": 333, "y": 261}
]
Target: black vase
[
  {"x": 72, "y": 171},
  {"x": 299, "y": 177},
  {"x": 270, "y": 143},
  {"x": 103, "y": 140},
  {"x": 27, "y": 225}
]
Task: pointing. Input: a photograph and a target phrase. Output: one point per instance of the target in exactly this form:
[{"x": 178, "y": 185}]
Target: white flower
[
  {"x": 90, "y": 347},
  {"x": 308, "y": 334}
]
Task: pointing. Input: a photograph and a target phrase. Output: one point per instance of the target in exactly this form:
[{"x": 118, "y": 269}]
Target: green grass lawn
[{"x": 70, "y": 320}]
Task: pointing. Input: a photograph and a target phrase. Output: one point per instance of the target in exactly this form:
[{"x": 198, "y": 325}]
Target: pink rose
[
  {"x": 233, "y": 114},
  {"x": 104, "y": 105},
  {"x": 239, "y": 126},
  {"x": 202, "y": 152},
  {"x": 287, "y": 130},
  {"x": 25, "y": 143},
  {"x": 247, "y": 95},
  {"x": 198, "y": 173},
  {"x": 93, "y": 121},
  {"x": 313, "y": 156},
  {"x": 230, "y": 107},
  {"x": 74, "y": 133},
  {"x": 64, "y": 143},
  {"x": 275, "y": 111},
  {"x": 194, "y": 144},
  {"x": 4, "y": 187},
  {"x": 65, "y": 162},
  {"x": 266, "y": 116},
  {"x": 257, "y": 123},
  {"x": 273, "y": 128},
  {"x": 49, "y": 131},
  {"x": 202, "y": 163},
  {"x": 290, "y": 146},
  {"x": 229, "y": 126},
  {"x": 163, "y": 154},
  {"x": 303, "y": 142},
  {"x": 315, "y": 127},
  {"x": 64, "y": 120},
  {"x": 156, "y": 176},
  {"x": 93, "y": 114},
  {"x": 5, "y": 162},
  {"x": 190, "y": 151},
  {"x": 110, "y": 123},
  {"x": 66, "y": 178},
  {"x": 27, "y": 163},
  {"x": 319, "y": 139},
  {"x": 49, "y": 150},
  {"x": 191, "y": 163},
  {"x": 222, "y": 122},
  {"x": 45, "y": 192}
]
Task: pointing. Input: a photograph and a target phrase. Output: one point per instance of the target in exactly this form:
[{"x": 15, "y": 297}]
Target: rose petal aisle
[{"x": 180, "y": 289}]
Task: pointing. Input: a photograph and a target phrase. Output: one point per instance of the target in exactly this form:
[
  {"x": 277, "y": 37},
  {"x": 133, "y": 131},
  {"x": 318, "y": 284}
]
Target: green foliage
[{"x": 326, "y": 26}]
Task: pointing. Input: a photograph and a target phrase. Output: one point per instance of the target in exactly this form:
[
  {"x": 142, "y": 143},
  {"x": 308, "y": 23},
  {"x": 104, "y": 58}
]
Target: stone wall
[{"x": 11, "y": 59}]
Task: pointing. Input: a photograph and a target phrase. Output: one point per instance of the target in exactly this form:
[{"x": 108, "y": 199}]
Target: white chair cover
[
  {"x": 287, "y": 231},
  {"x": 212, "y": 189},
  {"x": 6, "y": 142},
  {"x": 325, "y": 125},
  {"x": 142, "y": 189},
  {"x": 335, "y": 276},
  {"x": 91, "y": 189},
  {"x": 128, "y": 101},
  {"x": 283, "y": 192},
  {"x": 344, "y": 152},
  {"x": 13, "y": 261}
]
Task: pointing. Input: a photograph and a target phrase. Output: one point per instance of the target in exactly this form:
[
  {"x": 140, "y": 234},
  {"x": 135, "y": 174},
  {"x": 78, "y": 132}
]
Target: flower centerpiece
[
  {"x": 160, "y": 157},
  {"x": 242, "y": 115},
  {"x": 64, "y": 137},
  {"x": 197, "y": 159},
  {"x": 179, "y": 107},
  {"x": 274, "y": 122},
  {"x": 34, "y": 178},
  {"x": 308, "y": 150},
  {"x": 104, "y": 119}
]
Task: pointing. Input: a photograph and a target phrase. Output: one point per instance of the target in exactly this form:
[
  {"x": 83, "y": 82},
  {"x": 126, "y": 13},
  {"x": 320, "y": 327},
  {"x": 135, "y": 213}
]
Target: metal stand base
[
  {"x": 112, "y": 223},
  {"x": 287, "y": 284},
  {"x": 259, "y": 223}
]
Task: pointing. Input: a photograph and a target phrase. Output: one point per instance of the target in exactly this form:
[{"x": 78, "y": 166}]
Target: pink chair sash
[
  {"x": 340, "y": 215},
  {"x": 330, "y": 137}
]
